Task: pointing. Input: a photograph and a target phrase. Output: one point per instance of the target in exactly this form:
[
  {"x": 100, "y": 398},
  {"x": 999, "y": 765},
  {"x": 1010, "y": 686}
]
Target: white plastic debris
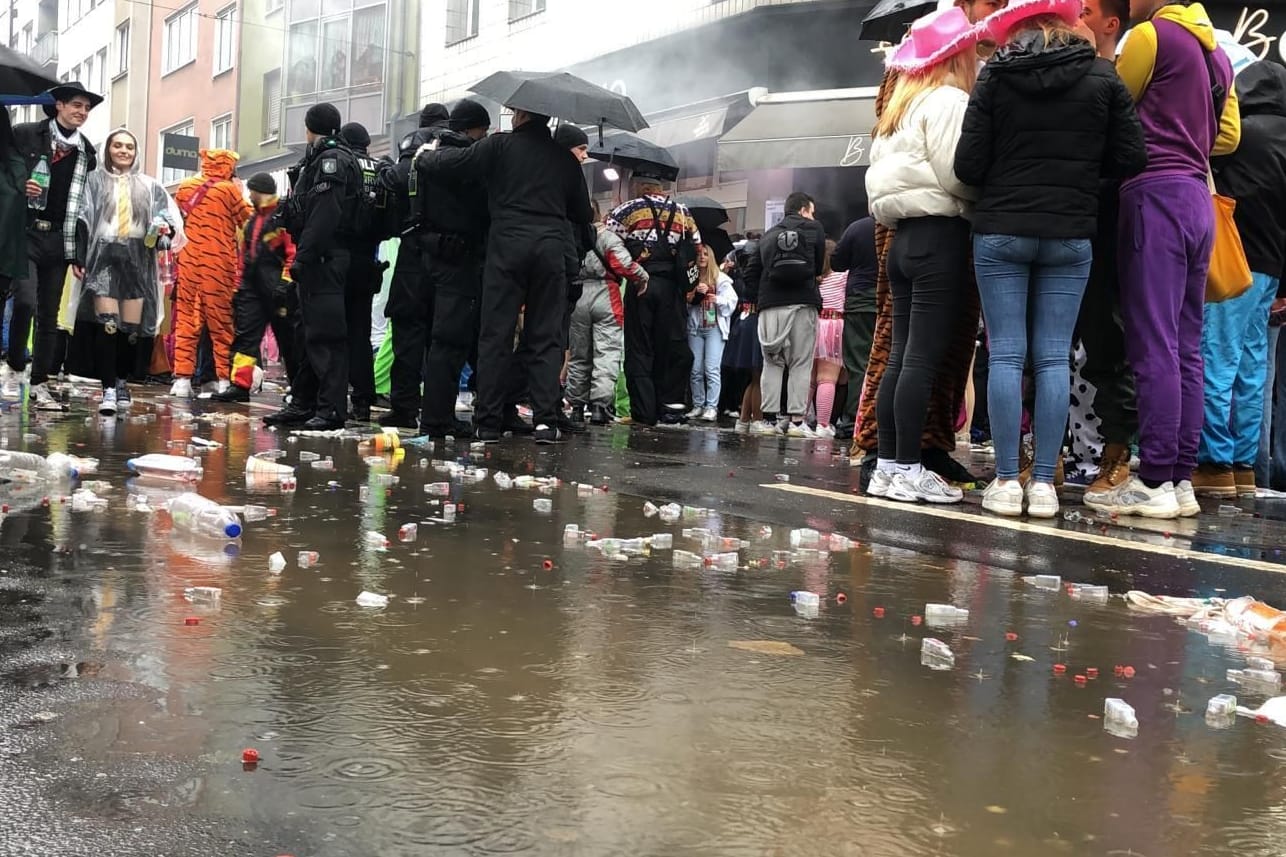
[
  {"x": 307, "y": 559},
  {"x": 203, "y": 594},
  {"x": 945, "y": 614},
  {"x": 1119, "y": 718},
  {"x": 542, "y": 505},
  {"x": 1050, "y": 582},
  {"x": 936, "y": 655},
  {"x": 276, "y": 563},
  {"x": 371, "y": 599}
]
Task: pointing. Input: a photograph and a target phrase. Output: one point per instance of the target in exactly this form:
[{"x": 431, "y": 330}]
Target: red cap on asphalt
[
  {"x": 841, "y": 598},
  {"x": 547, "y": 564},
  {"x": 191, "y": 620},
  {"x": 878, "y": 612},
  {"x": 916, "y": 620},
  {"x": 1010, "y": 636},
  {"x": 1080, "y": 679},
  {"x": 1128, "y": 672},
  {"x": 249, "y": 755},
  {"x": 1059, "y": 669},
  {"x": 1092, "y": 672}
]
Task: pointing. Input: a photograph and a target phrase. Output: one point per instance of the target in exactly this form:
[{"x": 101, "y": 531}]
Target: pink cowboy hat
[
  {"x": 932, "y": 39},
  {"x": 997, "y": 25}
]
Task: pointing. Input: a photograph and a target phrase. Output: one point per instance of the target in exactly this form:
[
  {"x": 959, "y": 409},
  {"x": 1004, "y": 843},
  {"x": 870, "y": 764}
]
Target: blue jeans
[
  {"x": 1234, "y": 346},
  {"x": 707, "y": 355},
  {"x": 1031, "y": 288}
]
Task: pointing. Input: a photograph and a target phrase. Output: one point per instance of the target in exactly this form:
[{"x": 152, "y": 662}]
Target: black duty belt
[{"x": 46, "y": 226}]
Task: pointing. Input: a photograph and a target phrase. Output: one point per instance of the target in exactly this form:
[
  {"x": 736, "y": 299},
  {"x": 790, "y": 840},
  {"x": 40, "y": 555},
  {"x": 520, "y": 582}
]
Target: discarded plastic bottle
[
  {"x": 376, "y": 540},
  {"x": 203, "y": 594},
  {"x": 29, "y": 467},
  {"x": 1258, "y": 663},
  {"x": 724, "y": 561},
  {"x": 803, "y": 598},
  {"x": 524, "y": 481},
  {"x": 203, "y": 517},
  {"x": 307, "y": 559},
  {"x": 606, "y": 546},
  {"x": 371, "y": 599},
  {"x": 1087, "y": 592},
  {"x": 254, "y": 513},
  {"x": 173, "y": 467},
  {"x": 408, "y": 532},
  {"x": 571, "y": 534},
  {"x": 385, "y": 441},
  {"x": 327, "y": 463},
  {"x": 805, "y": 538},
  {"x": 1050, "y": 582},
  {"x": 662, "y": 541},
  {"x": 1226, "y": 511},
  {"x": 67, "y": 466},
  {"x": 305, "y": 456},
  {"x": 936, "y": 655},
  {"x": 83, "y": 500},
  {"x": 438, "y": 489},
  {"x": 1221, "y": 706},
  {"x": 839, "y": 544},
  {"x": 276, "y": 563},
  {"x": 1119, "y": 718},
  {"x": 448, "y": 512},
  {"x": 1257, "y": 681},
  {"x": 945, "y": 614},
  {"x": 670, "y": 512},
  {"x": 386, "y": 480},
  {"x": 543, "y": 505},
  {"x": 650, "y": 509},
  {"x": 633, "y": 547},
  {"x": 503, "y": 481},
  {"x": 686, "y": 559}
]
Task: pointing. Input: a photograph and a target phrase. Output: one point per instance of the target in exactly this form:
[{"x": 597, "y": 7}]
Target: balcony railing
[{"x": 45, "y": 51}]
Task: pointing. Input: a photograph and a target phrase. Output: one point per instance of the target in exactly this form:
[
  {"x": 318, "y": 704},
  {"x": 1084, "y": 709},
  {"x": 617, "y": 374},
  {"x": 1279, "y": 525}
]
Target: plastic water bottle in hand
[{"x": 40, "y": 175}]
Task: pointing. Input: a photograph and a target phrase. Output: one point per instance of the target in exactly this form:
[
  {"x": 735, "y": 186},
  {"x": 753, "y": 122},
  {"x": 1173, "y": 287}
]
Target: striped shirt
[
  {"x": 833, "y": 288},
  {"x": 634, "y": 221}
]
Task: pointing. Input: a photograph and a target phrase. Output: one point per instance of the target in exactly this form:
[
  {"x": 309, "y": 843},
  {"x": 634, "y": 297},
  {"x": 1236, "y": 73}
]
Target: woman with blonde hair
[
  {"x": 1047, "y": 121},
  {"x": 912, "y": 187},
  {"x": 709, "y": 320}
]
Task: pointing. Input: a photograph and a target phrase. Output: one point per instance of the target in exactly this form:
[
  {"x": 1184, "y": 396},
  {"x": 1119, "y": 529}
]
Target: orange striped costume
[{"x": 214, "y": 211}]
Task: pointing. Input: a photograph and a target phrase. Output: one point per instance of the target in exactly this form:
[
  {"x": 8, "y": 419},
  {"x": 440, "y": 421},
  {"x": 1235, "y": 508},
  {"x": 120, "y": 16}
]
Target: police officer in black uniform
[
  {"x": 455, "y": 223},
  {"x": 410, "y": 296},
  {"x": 535, "y": 194},
  {"x": 365, "y": 277},
  {"x": 319, "y": 214}
]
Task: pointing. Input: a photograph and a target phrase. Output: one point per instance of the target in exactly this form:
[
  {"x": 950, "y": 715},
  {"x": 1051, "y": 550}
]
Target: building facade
[
  {"x": 31, "y": 27},
  {"x": 84, "y": 54}
]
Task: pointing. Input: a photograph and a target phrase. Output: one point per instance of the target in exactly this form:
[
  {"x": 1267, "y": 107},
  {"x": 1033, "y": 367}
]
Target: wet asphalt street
[{"x": 523, "y": 695}]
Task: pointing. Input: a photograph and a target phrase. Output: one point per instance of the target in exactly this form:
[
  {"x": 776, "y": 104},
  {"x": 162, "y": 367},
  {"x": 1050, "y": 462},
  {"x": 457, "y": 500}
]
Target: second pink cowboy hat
[
  {"x": 997, "y": 25},
  {"x": 933, "y": 38}
]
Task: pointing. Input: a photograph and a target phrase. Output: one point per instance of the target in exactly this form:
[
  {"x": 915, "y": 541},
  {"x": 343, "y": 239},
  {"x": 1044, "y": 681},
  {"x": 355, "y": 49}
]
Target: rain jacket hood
[
  {"x": 1261, "y": 89},
  {"x": 105, "y": 163},
  {"x": 1033, "y": 67},
  {"x": 219, "y": 164},
  {"x": 1194, "y": 19}
]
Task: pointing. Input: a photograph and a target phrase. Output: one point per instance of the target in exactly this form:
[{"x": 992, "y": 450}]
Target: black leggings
[{"x": 928, "y": 268}]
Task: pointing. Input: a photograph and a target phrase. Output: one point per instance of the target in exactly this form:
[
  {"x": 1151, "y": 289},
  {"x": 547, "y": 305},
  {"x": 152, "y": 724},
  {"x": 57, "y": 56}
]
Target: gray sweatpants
[
  {"x": 597, "y": 347},
  {"x": 788, "y": 337}
]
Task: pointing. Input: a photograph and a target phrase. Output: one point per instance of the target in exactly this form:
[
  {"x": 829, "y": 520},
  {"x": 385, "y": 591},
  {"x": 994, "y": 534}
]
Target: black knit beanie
[{"x": 323, "y": 119}]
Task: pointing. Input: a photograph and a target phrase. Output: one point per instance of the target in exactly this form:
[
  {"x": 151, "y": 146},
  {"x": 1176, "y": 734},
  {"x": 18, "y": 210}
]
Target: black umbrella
[
  {"x": 21, "y": 75},
  {"x": 710, "y": 209},
  {"x": 563, "y": 95},
  {"x": 888, "y": 19},
  {"x": 636, "y": 153}
]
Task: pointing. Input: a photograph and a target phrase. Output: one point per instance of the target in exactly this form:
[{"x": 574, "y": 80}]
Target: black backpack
[
  {"x": 791, "y": 261},
  {"x": 376, "y": 219}
]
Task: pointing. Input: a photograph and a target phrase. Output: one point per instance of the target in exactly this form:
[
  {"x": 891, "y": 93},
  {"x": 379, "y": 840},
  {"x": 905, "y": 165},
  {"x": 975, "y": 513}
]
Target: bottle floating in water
[
  {"x": 1051, "y": 582},
  {"x": 650, "y": 509},
  {"x": 307, "y": 559},
  {"x": 542, "y": 505},
  {"x": 1257, "y": 680},
  {"x": 662, "y": 541},
  {"x": 438, "y": 489},
  {"x": 178, "y": 468},
  {"x": 936, "y": 655},
  {"x": 687, "y": 559},
  {"x": 202, "y": 517},
  {"x": 945, "y": 614},
  {"x": 448, "y": 512},
  {"x": 252, "y": 513},
  {"x": 305, "y": 456},
  {"x": 29, "y": 467},
  {"x": 1087, "y": 592},
  {"x": 203, "y": 594},
  {"x": 1221, "y": 711},
  {"x": 807, "y": 604},
  {"x": 376, "y": 540},
  {"x": 724, "y": 561},
  {"x": 326, "y": 463},
  {"x": 276, "y": 563},
  {"x": 805, "y": 538},
  {"x": 407, "y": 532}
]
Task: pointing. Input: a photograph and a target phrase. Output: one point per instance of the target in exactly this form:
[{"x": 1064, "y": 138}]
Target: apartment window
[
  {"x": 274, "y": 6},
  {"x": 88, "y": 79},
  {"x": 100, "y": 64},
  {"x": 225, "y": 38},
  {"x": 522, "y": 8},
  {"x": 272, "y": 105},
  {"x": 122, "y": 48},
  {"x": 171, "y": 176},
  {"x": 179, "y": 40},
  {"x": 462, "y": 20},
  {"x": 337, "y": 51},
  {"x": 221, "y": 132}
]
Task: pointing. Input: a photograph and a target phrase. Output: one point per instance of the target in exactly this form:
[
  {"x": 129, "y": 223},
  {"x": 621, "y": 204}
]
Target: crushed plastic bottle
[
  {"x": 1119, "y": 718},
  {"x": 177, "y": 468},
  {"x": 945, "y": 614},
  {"x": 197, "y": 515},
  {"x": 375, "y": 540},
  {"x": 687, "y": 559},
  {"x": 805, "y": 538},
  {"x": 1257, "y": 681},
  {"x": 936, "y": 655},
  {"x": 670, "y": 512},
  {"x": 1257, "y": 663},
  {"x": 1221, "y": 711},
  {"x": 438, "y": 489},
  {"x": 662, "y": 541},
  {"x": 407, "y": 532},
  {"x": 1087, "y": 592},
  {"x": 806, "y": 604},
  {"x": 724, "y": 561},
  {"x": 203, "y": 594},
  {"x": 26, "y": 467},
  {"x": 386, "y": 441},
  {"x": 503, "y": 481},
  {"x": 571, "y": 534},
  {"x": 371, "y": 599},
  {"x": 1226, "y": 511},
  {"x": 84, "y": 500},
  {"x": 1051, "y": 582},
  {"x": 307, "y": 559},
  {"x": 542, "y": 505},
  {"x": 276, "y": 563},
  {"x": 650, "y": 509}
]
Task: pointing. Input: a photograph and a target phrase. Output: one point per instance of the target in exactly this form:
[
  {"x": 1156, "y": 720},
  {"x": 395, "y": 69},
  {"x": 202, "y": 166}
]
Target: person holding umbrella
[
  {"x": 59, "y": 151},
  {"x": 536, "y": 195}
]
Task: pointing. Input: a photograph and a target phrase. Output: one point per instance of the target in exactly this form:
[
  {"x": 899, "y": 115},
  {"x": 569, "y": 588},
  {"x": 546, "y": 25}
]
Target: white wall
[
  {"x": 82, "y": 44},
  {"x": 566, "y": 33}
]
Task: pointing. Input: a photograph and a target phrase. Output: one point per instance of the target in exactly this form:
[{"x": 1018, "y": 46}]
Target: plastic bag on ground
[{"x": 371, "y": 599}]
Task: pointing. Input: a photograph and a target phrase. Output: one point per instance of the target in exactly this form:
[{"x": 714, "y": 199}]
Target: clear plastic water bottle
[
  {"x": 542, "y": 505},
  {"x": 408, "y": 532},
  {"x": 1051, "y": 582},
  {"x": 40, "y": 175},
  {"x": 307, "y": 559},
  {"x": 662, "y": 541},
  {"x": 936, "y": 655},
  {"x": 376, "y": 540},
  {"x": 200, "y": 516},
  {"x": 945, "y": 614}
]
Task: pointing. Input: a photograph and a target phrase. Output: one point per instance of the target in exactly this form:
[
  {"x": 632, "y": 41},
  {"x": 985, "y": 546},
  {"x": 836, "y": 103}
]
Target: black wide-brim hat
[{"x": 71, "y": 90}]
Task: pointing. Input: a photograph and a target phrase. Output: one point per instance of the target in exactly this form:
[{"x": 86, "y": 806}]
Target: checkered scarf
[{"x": 76, "y": 191}]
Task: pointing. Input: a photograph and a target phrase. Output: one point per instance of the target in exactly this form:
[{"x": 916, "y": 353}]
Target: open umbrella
[
  {"x": 628, "y": 150},
  {"x": 21, "y": 75},
  {"x": 711, "y": 209},
  {"x": 563, "y": 95},
  {"x": 888, "y": 19}
]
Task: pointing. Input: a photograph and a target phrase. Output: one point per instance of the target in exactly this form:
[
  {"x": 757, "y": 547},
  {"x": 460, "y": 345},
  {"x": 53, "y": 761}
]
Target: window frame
[
  {"x": 188, "y": 128},
  {"x": 225, "y": 17},
  {"x": 226, "y": 118},
  {"x": 537, "y": 7},
  {"x": 121, "y": 45},
  {"x": 191, "y": 11},
  {"x": 271, "y": 135},
  {"x": 472, "y": 22}
]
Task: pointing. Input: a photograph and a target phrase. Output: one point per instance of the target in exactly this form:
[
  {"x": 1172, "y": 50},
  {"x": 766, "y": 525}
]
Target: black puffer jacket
[
  {"x": 1255, "y": 174},
  {"x": 1044, "y": 123}
]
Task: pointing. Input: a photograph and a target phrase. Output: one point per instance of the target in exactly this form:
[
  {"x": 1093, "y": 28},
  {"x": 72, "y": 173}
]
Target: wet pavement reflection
[{"x": 522, "y": 695}]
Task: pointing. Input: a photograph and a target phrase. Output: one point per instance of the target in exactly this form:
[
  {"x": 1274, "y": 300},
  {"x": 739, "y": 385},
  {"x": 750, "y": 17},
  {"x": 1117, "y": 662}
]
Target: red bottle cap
[
  {"x": 1261, "y": 718},
  {"x": 916, "y": 620},
  {"x": 1118, "y": 670},
  {"x": 1010, "y": 636},
  {"x": 249, "y": 756},
  {"x": 841, "y": 598},
  {"x": 1059, "y": 669},
  {"x": 1091, "y": 672},
  {"x": 192, "y": 620},
  {"x": 1079, "y": 679},
  {"x": 878, "y": 612},
  {"x": 1128, "y": 672},
  {"x": 547, "y": 564}
]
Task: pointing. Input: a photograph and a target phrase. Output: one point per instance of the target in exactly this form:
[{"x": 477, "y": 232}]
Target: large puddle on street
[{"x": 520, "y": 695}]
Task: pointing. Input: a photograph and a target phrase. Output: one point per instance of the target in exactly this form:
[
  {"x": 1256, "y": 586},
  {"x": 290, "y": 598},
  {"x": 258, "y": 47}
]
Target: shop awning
[
  {"x": 686, "y": 129},
  {"x": 795, "y": 130}
]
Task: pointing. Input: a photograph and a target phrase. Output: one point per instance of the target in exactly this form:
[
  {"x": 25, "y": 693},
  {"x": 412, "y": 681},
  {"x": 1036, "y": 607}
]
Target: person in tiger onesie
[
  {"x": 939, "y": 438},
  {"x": 214, "y": 211}
]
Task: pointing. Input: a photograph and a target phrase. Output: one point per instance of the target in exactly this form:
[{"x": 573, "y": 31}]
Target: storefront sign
[
  {"x": 181, "y": 152},
  {"x": 774, "y": 211}
]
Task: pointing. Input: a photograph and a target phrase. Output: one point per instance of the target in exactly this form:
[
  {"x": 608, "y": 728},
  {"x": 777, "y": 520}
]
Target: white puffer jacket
[{"x": 912, "y": 172}]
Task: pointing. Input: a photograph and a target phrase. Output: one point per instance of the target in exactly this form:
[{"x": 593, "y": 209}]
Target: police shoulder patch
[
  {"x": 321, "y": 187},
  {"x": 330, "y": 166}
]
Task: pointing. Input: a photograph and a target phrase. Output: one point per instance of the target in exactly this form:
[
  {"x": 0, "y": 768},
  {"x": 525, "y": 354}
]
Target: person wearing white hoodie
[
  {"x": 709, "y": 320},
  {"x": 912, "y": 186}
]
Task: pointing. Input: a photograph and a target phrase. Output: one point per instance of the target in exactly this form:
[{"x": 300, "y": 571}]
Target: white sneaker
[
  {"x": 1003, "y": 497},
  {"x": 763, "y": 429},
  {"x": 928, "y": 486},
  {"x": 11, "y": 382},
  {"x": 43, "y": 400},
  {"x": 880, "y": 483},
  {"x": 741, "y": 427},
  {"x": 1187, "y": 499},
  {"x": 107, "y": 407},
  {"x": 710, "y": 415},
  {"x": 1042, "y": 500},
  {"x": 181, "y": 389},
  {"x": 464, "y": 402},
  {"x": 123, "y": 397},
  {"x": 827, "y": 432},
  {"x": 1135, "y": 498},
  {"x": 222, "y": 386},
  {"x": 800, "y": 430},
  {"x": 695, "y": 413}
]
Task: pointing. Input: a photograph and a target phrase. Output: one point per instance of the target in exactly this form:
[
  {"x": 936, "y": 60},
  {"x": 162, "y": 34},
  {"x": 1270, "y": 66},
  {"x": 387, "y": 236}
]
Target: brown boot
[
  {"x": 1113, "y": 471},
  {"x": 1026, "y": 463},
  {"x": 1244, "y": 478},
  {"x": 1214, "y": 480}
]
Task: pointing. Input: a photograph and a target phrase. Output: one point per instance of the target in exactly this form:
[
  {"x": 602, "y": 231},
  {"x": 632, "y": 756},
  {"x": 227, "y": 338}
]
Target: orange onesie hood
[{"x": 219, "y": 164}]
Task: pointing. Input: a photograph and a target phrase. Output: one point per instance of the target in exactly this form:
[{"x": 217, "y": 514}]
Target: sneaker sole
[
  {"x": 872, "y": 493},
  {"x": 1158, "y": 514},
  {"x": 1215, "y": 493},
  {"x": 901, "y": 496},
  {"x": 1044, "y": 513},
  {"x": 1005, "y": 510},
  {"x": 1189, "y": 511},
  {"x": 940, "y": 501}
]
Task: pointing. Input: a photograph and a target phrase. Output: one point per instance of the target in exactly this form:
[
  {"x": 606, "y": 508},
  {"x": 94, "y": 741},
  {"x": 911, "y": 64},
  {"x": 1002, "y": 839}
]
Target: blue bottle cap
[{"x": 232, "y": 531}]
